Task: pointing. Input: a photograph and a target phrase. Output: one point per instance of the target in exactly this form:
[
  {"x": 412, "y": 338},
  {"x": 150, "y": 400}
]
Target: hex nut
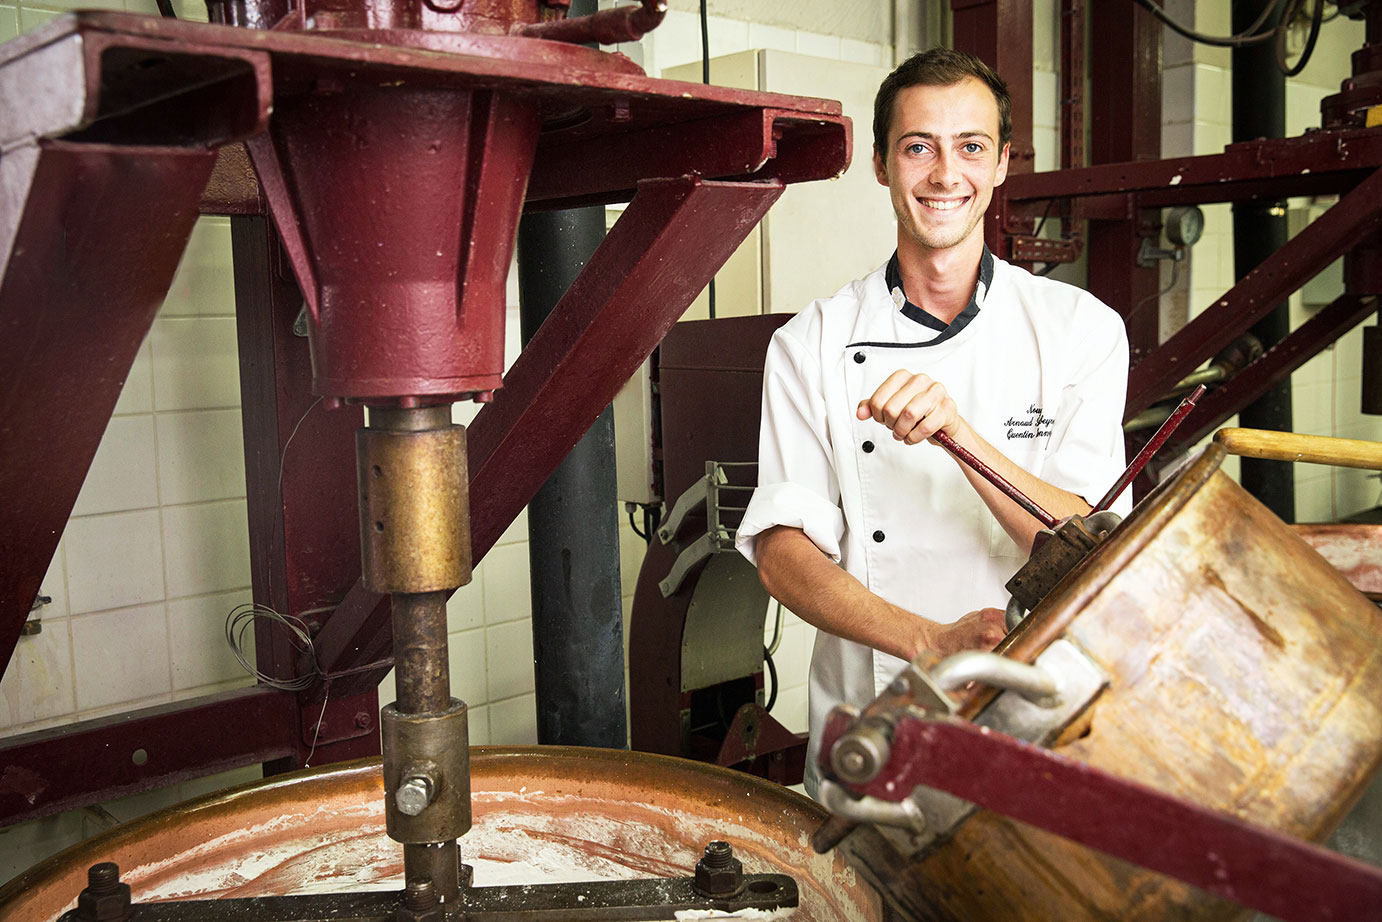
[
  {"x": 113, "y": 905},
  {"x": 431, "y": 914},
  {"x": 719, "y": 882}
]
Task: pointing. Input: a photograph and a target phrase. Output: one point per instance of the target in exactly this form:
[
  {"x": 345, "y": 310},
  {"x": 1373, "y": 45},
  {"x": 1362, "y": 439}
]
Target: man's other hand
[
  {"x": 914, "y": 407},
  {"x": 978, "y": 630}
]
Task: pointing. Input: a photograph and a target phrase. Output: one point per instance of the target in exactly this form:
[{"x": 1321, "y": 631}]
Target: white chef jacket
[{"x": 1037, "y": 367}]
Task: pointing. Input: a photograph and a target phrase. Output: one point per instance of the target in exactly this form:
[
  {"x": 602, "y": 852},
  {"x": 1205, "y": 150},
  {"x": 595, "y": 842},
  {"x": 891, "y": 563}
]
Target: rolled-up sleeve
[
  {"x": 1086, "y": 449},
  {"x": 797, "y": 486}
]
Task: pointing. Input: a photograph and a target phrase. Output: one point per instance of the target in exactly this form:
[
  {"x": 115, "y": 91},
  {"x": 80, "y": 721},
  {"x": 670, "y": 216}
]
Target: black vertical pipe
[
  {"x": 1259, "y": 230},
  {"x": 573, "y": 525}
]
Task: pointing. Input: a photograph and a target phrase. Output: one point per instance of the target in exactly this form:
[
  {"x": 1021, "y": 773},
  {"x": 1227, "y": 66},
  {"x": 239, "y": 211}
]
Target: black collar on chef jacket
[{"x": 893, "y": 277}]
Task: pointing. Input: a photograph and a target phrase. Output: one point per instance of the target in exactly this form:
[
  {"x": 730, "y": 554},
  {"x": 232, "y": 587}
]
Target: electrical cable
[
  {"x": 777, "y": 631},
  {"x": 1138, "y": 306},
  {"x": 629, "y": 507},
  {"x": 1250, "y": 37},
  {"x": 772, "y": 674},
  {"x": 1316, "y": 20}
]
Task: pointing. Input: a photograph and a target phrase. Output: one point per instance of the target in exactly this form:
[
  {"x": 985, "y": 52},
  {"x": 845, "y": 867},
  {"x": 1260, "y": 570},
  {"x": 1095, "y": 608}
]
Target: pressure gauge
[{"x": 1184, "y": 225}]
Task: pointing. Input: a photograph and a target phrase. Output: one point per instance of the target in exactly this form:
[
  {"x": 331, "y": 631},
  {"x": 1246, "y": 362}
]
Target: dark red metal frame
[
  {"x": 78, "y": 290},
  {"x": 1121, "y": 197}
]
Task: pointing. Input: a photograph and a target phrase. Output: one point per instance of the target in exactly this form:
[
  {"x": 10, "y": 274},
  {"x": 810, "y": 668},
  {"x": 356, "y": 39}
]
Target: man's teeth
[{"x": 942, "y": 205}]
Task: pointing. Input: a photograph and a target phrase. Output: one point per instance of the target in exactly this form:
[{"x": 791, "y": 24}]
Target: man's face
[{"x": 942, "y": 161}]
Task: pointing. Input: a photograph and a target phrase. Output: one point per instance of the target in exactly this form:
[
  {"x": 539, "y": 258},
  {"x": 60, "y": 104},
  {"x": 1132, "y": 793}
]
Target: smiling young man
[{"x": 861, "y": 525}]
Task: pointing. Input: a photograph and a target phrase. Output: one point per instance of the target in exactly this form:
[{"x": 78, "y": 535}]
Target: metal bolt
[
  {"x": 719, "y": 874},
  {"x": 363, "y": 720},
  {"x": 413, "y": 795},
  {"x": 103, "y": 878},
  {"x": 420, "y": 894},
  {"x": 105, "y": 899},
  {"x": 718, "y": 855},
  {"x": 860, "y": 754}
]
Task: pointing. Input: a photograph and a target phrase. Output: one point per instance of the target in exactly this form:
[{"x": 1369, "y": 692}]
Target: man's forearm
[
  {"x": 1016, "y": 521},
  {"x": 797, "y": 574}
]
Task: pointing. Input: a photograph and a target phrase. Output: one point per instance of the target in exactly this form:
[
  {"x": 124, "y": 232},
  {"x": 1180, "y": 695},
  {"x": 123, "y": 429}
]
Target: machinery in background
[
  {"x": 696, "y": 653},
  {"x": 395, "y": 146}
]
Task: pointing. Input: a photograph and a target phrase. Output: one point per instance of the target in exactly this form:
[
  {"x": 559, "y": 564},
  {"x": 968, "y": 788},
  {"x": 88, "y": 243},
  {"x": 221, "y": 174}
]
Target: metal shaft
[
  {"x": 421, "y": 664},
  {"x": 416, "y": 544}
]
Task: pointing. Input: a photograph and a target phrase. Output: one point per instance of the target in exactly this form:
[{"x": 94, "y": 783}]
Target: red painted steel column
[
  {"x": 1125, "y": 125},
  {"x": 999, "y": 33},
  {"x": 304, "y": 529}
]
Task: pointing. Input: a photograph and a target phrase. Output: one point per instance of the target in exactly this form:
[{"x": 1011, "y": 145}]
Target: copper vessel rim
[
  {"x": 367, "y": 776},
  {"x": 1050, "y": 619}
]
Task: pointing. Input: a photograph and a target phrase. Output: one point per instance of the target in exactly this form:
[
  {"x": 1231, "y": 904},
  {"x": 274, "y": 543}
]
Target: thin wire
[
  {"x": 1175, "y": 264},
  {"x": 284, "y": 455},
  {"x": 705, "y": 78},
  {"x": 1250, "y": 37},
  {"x": 326, "y": 696},
  {"x": 242, "y": 618}
]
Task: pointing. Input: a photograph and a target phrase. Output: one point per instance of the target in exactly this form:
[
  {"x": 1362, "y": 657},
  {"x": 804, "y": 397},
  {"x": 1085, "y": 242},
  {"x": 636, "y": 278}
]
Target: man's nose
[{"x": 944, "y": 171}]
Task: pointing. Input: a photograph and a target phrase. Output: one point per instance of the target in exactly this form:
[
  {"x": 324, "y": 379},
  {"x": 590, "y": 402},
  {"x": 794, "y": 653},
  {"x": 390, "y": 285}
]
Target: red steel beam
[
  {"x": 1303, "y": 344},
  {"x": 1246, "y": 162},
  {"x": 94, "y": 760},
  {"x": 659, "y": 254},
  {"x": 1304, "y": 255},
  {"x": 78, "y": 294}
]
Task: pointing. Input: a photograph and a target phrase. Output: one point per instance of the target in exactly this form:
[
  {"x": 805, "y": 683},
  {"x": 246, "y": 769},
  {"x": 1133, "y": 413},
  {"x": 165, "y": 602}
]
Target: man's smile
[{"x": 941, "y": 204}]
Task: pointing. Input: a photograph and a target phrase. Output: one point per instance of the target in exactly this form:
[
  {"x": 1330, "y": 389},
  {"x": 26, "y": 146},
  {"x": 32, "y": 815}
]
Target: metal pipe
[
  {"x": 606, "y": 27},
  {"x": 1259, "y": 230},
  {"x": 573, "y": 524}
]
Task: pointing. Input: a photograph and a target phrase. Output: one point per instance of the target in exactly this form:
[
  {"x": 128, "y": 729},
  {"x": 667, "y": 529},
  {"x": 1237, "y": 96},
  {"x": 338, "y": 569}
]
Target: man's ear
[
  {"x": 880, "y": 168},
  {"x": 1002, "y": 172}
]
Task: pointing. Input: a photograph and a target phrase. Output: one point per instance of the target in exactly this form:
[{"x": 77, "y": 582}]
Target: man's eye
[
  {"x": 915, "y": 148},
  {"x": 973, "y": 147}
]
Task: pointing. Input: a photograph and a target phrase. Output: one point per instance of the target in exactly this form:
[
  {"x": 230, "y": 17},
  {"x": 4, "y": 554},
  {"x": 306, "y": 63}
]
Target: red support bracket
[{"x": 78, "y": 293}]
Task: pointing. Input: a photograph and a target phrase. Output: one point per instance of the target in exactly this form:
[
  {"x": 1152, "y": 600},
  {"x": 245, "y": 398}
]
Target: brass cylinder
[
  {"x": 414, "y": 516},
  {"x": 435, "y": 747}
]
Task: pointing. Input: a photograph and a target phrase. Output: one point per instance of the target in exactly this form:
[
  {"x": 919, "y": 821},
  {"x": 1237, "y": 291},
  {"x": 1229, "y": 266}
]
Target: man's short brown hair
[{"x": 938, "y": 67}]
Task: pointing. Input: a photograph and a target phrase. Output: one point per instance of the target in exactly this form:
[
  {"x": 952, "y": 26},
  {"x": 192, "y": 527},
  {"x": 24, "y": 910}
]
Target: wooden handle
[{"x": 1292, "y": 446}]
